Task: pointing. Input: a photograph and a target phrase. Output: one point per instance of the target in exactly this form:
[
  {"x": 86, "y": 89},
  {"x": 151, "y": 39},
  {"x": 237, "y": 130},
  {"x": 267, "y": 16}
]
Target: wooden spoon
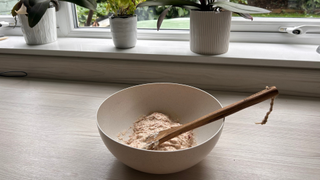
[{"x": 157, "y": 138}]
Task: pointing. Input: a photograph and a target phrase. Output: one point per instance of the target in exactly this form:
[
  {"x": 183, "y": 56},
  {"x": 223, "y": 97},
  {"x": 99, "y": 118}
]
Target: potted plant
[
  {"x": 123, "y": 22},
  {"x": 38, "y": 18},
  {"x": 209, "y": 21}
]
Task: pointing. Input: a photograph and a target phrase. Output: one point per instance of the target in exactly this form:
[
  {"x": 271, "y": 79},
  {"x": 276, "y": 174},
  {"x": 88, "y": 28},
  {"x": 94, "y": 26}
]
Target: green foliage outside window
[
  {"x": 280, "y": 8},
  {"x": 145, "y": 13},
  {"x": 286, "y": 8},
  {"x": 83, "y": 13}
]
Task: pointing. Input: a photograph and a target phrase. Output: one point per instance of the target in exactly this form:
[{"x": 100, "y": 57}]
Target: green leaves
[
  {"x": 239, "y": 8},
  {"x": 179, "y": 3},
  {"x": 242, "y": 10},
  {"x": 122, "y": 7},
  {"x": 233, "y": 7}
]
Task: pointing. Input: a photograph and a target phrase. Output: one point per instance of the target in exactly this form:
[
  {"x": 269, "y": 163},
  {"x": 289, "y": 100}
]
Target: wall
[{"x": 289, "y": 81}]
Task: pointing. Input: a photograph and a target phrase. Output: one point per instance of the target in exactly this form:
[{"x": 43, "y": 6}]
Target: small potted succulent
[
  {"x": 38, "y": 18},
  {"x": 123, "y": 22},
  {"x": 209, "y": 21}
]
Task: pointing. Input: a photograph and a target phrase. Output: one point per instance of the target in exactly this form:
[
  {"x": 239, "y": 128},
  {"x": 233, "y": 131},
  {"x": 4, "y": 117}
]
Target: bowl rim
[{"x": 154, "y": 151}]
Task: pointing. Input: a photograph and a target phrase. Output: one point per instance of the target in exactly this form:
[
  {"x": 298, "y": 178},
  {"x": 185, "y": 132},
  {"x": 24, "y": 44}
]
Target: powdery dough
[{"x": 153, "y": 123}]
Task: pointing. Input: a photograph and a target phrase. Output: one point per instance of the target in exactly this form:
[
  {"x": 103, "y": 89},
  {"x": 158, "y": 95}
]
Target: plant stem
[{"x": 90, "y": 14}]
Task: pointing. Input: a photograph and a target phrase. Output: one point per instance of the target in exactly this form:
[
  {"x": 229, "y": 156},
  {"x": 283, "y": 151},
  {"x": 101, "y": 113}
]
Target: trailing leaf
[
  {"x": 36, "y": 12},
  {"x": 203, "y": 2},
  {"x": 56, "y": 4},
  {"x": 246, "y": 16},
  {"x": 239, "y": 8},
  {"x": 161, "y": 17},
  {"x": 205, "y": 5},
  {"x": 90, "y": 4},
  {"x": 16, "y": 7}
]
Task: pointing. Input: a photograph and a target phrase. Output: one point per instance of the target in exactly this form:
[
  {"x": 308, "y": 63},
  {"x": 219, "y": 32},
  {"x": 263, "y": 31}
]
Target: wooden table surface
[{"x": 48, "y": 131}]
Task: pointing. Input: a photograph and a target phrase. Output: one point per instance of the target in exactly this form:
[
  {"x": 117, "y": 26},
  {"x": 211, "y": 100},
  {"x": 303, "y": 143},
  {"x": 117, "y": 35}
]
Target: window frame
[
  {"x": 10, "y": 30},
  {"x": 242, "y": 30},
  {"x": 260, "y": 30}
]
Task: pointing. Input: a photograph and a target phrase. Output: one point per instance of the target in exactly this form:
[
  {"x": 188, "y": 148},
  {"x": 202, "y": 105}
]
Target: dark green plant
[
  {"x": 35, "y": 9},
  {"x": 204, "y": 5}
]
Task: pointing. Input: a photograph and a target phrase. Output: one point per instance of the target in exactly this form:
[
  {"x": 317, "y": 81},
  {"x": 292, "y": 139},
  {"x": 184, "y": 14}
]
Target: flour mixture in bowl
[{"x": 153, "y": 123}]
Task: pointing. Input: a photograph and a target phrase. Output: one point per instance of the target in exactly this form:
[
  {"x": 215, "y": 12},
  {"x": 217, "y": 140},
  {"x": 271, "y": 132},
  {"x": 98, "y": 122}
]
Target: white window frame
[
  {"x": 260, "y": 30},
  {"x": 9, "y": 30}
]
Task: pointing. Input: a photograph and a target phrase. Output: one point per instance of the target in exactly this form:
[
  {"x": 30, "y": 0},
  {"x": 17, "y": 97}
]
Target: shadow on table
[{"x": 121, "y": 171}]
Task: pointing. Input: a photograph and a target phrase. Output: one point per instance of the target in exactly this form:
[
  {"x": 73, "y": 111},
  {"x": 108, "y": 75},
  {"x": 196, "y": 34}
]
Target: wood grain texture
[
  {"x": 48, "y": 131},
  {"x": 236, "y": 78}
]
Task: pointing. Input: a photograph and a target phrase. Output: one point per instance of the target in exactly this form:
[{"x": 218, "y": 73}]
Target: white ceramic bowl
[{"x": 119, "y": 111}]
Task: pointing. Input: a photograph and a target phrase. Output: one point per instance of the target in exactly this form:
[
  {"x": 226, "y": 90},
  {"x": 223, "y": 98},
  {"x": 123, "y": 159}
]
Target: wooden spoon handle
[{"x": 223, "y": 112}]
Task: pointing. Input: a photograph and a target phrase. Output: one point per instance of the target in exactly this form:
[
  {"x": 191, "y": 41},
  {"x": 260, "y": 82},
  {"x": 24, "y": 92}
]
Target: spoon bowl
[{"x": 186, "y": 103}]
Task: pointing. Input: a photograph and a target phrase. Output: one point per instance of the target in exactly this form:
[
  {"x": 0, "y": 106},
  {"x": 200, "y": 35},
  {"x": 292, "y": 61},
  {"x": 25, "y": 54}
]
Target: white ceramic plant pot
[
  {"x": 124, "y": 31},
  {"x": 209, "y": 32},
  {"x": 42, "y": 33}
]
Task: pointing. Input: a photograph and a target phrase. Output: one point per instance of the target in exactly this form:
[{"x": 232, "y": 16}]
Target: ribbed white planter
[
  {"x": 42, "y": 33},
  {"x": 209, "y": 32},
  {"x": 124, "y": 31}
]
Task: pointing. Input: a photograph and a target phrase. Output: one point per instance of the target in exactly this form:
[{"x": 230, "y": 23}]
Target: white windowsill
[
  {"x": 253, "y": 54},
  {"x": 245, "y": 68}
]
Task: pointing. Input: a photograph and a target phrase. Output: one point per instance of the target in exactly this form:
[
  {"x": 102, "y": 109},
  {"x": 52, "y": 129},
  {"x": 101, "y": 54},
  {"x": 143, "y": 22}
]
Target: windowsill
[
  {"x": 247, "y": 67},
  {"x": 252, "y": 54}
]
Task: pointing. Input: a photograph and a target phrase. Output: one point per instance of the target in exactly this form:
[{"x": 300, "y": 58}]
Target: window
[
  {"x": 264, "y": 28},
  {"x": 5, "y": 15},
  {"x": 6, "y": 6},
  {"x": 177, "y": 18}
]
